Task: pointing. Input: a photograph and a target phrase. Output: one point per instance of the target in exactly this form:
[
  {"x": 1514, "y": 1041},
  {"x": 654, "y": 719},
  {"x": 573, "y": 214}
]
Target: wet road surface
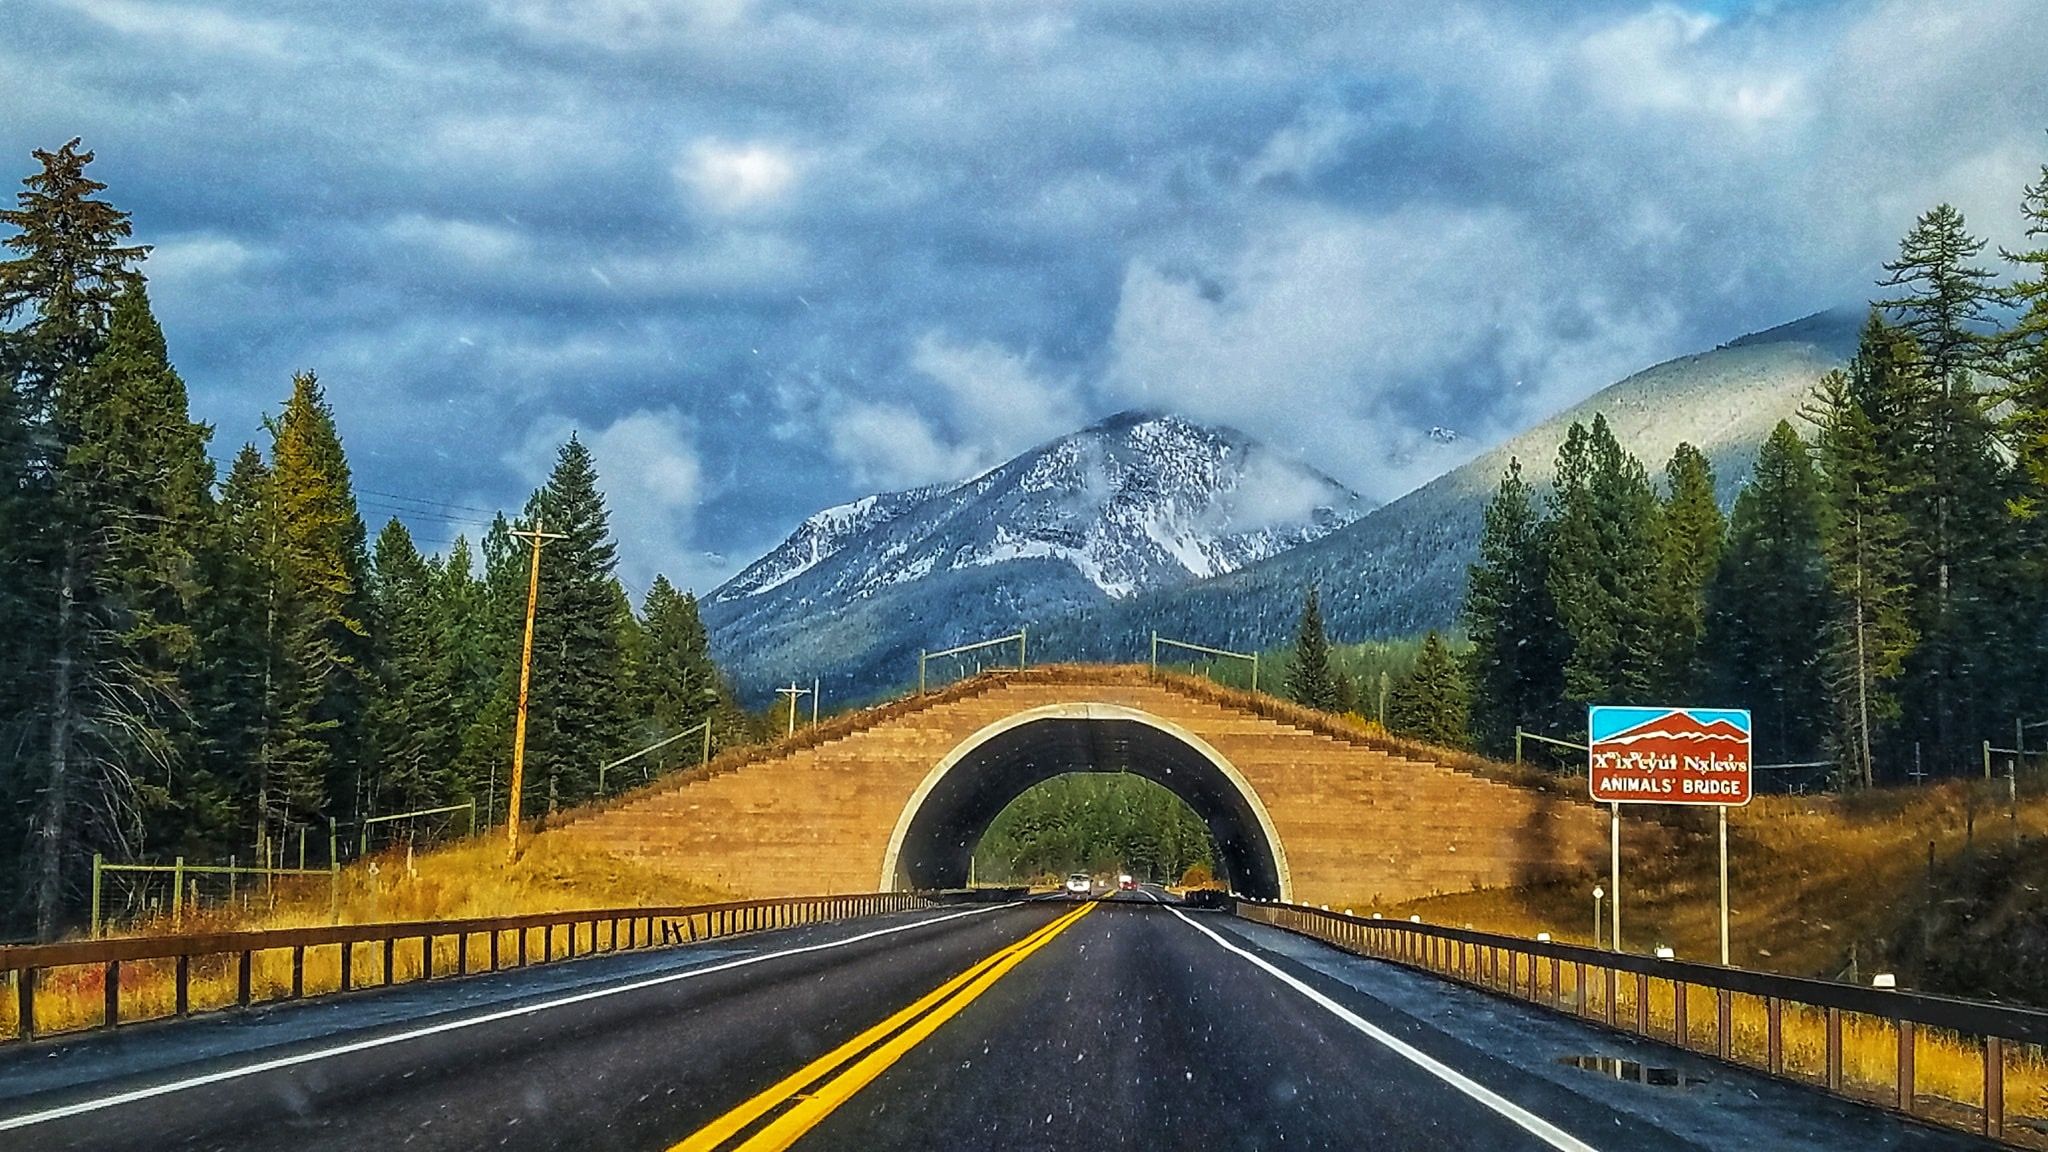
[{"x": 1124, "y": 1023}]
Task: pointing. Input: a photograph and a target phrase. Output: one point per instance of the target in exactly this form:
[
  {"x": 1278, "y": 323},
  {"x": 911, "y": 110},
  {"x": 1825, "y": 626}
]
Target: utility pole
[
  {"x": 537, "y": 537},
  {"x": 793, "y": 692}
]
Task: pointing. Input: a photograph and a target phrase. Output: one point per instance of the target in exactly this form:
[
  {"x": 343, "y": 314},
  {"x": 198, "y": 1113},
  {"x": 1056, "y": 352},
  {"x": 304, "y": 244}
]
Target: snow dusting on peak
[{"x": 1138, "y": 501}]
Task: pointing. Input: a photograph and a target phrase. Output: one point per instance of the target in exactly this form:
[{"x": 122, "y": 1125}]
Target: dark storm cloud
[{"x": 766, "y": 256}]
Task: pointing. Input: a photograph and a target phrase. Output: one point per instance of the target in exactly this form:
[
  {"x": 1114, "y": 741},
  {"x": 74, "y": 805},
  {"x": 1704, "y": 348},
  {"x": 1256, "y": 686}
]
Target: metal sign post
[
  {"x": 1614, "y": 878},
  {"x": 1723, "y": 809},
  {"x": 1668, "y": 755}
]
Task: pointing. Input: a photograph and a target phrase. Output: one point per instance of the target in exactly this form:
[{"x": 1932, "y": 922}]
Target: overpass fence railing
[
  {"x": 104, "y": 984},
  {"x": 1964, "y": 1064}
]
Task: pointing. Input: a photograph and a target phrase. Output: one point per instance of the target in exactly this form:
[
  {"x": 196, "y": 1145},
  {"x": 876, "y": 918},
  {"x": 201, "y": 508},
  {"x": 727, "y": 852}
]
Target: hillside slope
[{"x": 1401, "y": 568}]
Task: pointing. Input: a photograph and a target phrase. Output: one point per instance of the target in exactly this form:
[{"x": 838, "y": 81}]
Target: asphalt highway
[{"x": 1123, "y": 1023}]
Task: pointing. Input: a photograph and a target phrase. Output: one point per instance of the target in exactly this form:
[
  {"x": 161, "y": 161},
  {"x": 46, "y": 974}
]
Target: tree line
[
  {"x": 1097, "y": 823},
  {"x": 197, "y": 665},
  {"x": 1878, "y": 595}
]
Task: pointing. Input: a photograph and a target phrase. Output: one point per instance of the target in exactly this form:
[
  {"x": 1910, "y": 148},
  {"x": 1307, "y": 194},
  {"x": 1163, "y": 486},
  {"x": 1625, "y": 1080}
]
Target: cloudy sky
[{"x": 768, "y": 256}]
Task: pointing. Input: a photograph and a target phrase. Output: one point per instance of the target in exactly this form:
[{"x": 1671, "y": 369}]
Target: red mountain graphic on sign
[{"x": 1676, "y": 733}]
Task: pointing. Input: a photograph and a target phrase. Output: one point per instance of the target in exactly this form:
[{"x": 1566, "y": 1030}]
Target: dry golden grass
[
  {"x": 467, "y": 879},
  {"x": 1814, "y": 882}
]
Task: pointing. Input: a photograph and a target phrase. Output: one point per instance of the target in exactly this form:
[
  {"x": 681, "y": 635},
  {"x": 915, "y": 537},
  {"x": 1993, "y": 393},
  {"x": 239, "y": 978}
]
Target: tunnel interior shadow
[{"x": 964, "y": 801}]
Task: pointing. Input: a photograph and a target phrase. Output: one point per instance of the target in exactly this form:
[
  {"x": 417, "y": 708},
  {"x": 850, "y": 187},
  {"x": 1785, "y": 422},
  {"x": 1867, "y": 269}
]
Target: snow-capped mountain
[
  {"x": 821, "y": 536},
  {"x": 1135, "y": 503}
]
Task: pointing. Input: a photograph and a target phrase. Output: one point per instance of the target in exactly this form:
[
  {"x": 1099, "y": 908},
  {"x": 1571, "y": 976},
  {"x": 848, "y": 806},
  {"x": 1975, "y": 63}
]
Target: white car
[
  {"x": 1125, "y": 883},
  {"x": 1080, "y": 884}
]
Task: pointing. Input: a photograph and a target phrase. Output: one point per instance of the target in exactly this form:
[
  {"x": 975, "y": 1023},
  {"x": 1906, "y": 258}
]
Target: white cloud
[
  {"x": 997, "y": 393},
  {"x": 1326, "y": 328},
  {"x": 650, "y": 472},
  {"x": 729, "y": 178},
  {"x": 194, "y": 262},
  {"x": 463, "y": 241},
  {"x": 889, "y": 445},
  {"x": 995, "y": 402},
  {"x": 1666, "y": 60},
  {"x": 208, "y": 29}
]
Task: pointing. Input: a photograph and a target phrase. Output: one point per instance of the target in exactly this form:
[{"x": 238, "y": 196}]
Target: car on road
[
  {"x": 1080, "y": 884},
  {"x": 1125, "y": 882}
]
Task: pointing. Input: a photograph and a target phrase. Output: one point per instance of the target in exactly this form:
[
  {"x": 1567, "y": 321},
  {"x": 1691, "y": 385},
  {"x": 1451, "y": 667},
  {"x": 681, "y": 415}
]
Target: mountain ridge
[{"x": 1136, "y": 501}]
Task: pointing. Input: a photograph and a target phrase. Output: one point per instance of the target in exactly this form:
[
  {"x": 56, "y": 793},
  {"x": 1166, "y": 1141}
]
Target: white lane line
[
  {"x": 1521, "y": 1117},
  {"x": 30, "y": 1119}
]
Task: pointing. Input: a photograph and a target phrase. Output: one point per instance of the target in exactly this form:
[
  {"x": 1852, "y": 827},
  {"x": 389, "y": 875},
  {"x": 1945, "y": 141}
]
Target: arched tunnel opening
[{"x": 937, "y": 845}]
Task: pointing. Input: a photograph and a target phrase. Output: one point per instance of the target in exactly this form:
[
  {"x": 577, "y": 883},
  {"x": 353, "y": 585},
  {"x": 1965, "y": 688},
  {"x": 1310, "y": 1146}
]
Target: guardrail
[
  {"x": 86, "y": 984},
  {"x": 1866, "y": 1044}
]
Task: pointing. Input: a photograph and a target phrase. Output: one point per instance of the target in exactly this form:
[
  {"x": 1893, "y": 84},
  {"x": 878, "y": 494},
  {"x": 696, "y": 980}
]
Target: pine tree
[
  {"x": 1431, "y": 702},
  {"x": 1691, "y": 535},
  {"x": 461, "y": 606},
  {"x": 411, "y": 719},
  {"x": 1518, "y": 646},
  {"x": 317, "y": 758},
  {"x": 1767, "y": 606},
  {"x": 71, "y": 268},
  {"x": 1944, "y": 298},
  {"x": 2024, "y": 352},
  {"x": 577, "y": 714},
  {"x": 1953, "y": 513},
  {"x": 135, "y": 490},
  {"x": 1863, "y": 542},
  {"x": 234, "y": 688},
  {"x": 58, "y": 295},
  {"x": 680, "y": 688},
  {"x": 1603, "y": 569},
  {"x": 1311, "y": 681},
  {"x": 500, "y": 607}
]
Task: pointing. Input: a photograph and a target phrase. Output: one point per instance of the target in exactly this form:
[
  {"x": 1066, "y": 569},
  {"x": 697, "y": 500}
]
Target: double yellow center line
[{"x": 858, "y": 1061}]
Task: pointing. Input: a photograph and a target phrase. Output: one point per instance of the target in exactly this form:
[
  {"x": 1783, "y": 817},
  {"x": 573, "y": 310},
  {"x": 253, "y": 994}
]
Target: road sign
[{"x": 1668, "y": 755}]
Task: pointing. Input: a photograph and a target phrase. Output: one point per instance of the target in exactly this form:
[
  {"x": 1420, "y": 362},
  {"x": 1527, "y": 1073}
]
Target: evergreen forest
[
  {"x": 1878, "y": 595},
  {"x": 221, "y": 666}
]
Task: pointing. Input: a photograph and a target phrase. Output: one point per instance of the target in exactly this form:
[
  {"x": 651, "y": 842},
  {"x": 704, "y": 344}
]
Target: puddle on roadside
[{"x": 1633, "y": 1071}]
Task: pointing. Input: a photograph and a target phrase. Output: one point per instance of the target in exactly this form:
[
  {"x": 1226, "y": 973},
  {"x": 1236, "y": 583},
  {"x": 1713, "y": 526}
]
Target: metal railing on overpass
[
  {"x": 86, "y": 984},
  {"x": 1940, "y": 1059}
]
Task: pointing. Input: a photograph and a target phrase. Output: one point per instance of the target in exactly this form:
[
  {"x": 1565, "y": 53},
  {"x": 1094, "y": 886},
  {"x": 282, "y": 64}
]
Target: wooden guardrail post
[
  {"x": 1834, "y": 1049},
  {"x": 1994, "y": 1087},
  {"x": 25, "y": 1004},
  {"x": 1907, "y": 1048}
]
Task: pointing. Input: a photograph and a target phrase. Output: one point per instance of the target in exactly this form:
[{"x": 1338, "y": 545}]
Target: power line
[
  {"x": 431, "y": 503},
  {"x": 401, "y": 510}
]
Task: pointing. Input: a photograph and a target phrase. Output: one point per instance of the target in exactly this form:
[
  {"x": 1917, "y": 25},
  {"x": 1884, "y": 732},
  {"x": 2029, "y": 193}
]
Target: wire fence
[
  {"x": 301, "y": 862},
  {"x": 1209, "y": 668},
  {"x": 126, "y": 896},
  {"x": 417, "y": 829},
  {"x": 956, "y": 662}
]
